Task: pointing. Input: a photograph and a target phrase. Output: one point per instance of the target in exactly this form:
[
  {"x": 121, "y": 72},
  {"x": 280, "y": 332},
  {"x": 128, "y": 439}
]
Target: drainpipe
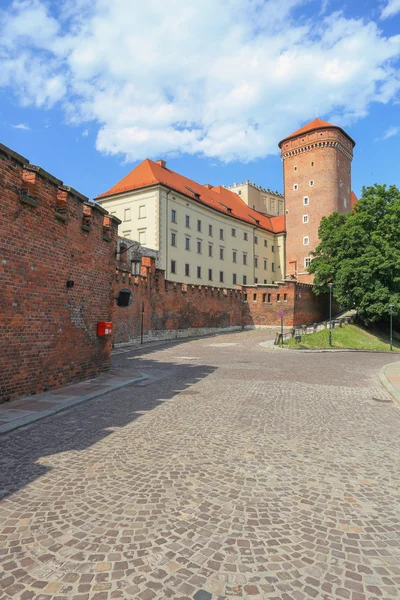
[{"x": 166, "y": 238}]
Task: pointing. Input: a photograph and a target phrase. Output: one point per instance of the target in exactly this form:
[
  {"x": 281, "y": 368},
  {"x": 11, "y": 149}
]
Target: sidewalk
[
  {"x": 20, "y": 412},
  {"x": 390, "y": 379}
]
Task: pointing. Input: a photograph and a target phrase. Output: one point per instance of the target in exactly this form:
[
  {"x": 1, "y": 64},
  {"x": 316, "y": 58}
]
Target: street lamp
[
  {"x": 330, "y": 285},
  {"x": 391, "y": 326}
]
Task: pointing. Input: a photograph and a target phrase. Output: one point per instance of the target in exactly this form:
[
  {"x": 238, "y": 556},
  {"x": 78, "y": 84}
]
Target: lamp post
[
  {"x": 391, "y": 326},
  {"x": 330, "y": 285}
]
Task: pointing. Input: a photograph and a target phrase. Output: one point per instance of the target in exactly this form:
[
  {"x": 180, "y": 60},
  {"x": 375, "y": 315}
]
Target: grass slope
[{"x": 348, "y": 336}]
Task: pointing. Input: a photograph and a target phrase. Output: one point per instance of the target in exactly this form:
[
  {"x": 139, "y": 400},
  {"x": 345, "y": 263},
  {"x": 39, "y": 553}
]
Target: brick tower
[{"x": 317, "y": 180}]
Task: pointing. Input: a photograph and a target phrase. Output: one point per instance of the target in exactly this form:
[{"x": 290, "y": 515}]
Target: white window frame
[
  {"x": 306, "y": 240},
  {"x": 308, "y": 258},
  {"x": 295, "y": 187},
  {"x": 306, "y": 200},
  {"x": 311, "y": 182},
  {"x": 305, "y": 218}
]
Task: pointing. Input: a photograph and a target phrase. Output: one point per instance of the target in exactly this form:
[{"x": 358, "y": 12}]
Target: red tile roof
[
  {"x": 313, "y": 126},
  {"x": 149, "y": 173},
  {"x": 353, "y": 199}
]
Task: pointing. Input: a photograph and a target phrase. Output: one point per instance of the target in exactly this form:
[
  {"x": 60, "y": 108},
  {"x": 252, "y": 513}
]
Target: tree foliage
[{"x": 360, "y": 253}]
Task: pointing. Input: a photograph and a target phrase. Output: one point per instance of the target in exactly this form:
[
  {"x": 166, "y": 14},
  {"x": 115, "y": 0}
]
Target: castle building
[
  {"x": 317, "y": 182},
  {"x": 261, "y": 199},
  {"x": 203, "y": 234}
]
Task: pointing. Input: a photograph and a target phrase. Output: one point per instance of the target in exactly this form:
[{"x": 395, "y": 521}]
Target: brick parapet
[{"x": 48, "y": 333}]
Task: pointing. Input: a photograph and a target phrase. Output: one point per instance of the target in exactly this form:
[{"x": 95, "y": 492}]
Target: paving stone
[{"x": 270, "y": 478}]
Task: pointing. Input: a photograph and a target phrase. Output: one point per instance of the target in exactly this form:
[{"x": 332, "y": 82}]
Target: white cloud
[
  {"x": 391, "y": 9},
  {"x": 225, "y": 80},
  {"x": 390, "y": 132},
  {"x": 21, "y": 126}
]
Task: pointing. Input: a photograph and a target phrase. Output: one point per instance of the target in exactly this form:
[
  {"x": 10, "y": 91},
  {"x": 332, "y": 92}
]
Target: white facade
[
  {"x": 259, "y": 198},
  {"x": 196, "y": 244}
]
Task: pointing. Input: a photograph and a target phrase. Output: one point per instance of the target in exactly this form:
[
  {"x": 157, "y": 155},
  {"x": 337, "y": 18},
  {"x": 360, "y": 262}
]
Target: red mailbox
[{"x": 104, "y": 328}]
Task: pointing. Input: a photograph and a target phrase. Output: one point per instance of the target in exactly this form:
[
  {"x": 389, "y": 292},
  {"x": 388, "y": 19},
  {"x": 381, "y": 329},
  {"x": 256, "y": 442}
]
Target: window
[
  {"x": 221, "y": 254},
  {"x": 173, "y": 239},
  {"x": 312, "y": 164},
  {"x": 199, "y": 272},
  {"x": 187, "y": 270},
  {"x": 254, "y": 297},
  {"x": 245, "y": 281},
  {"x": 245, "y": 298},
  {"x": 198, "y": 225},
  {"x": 273, "y": 248},
  {"x": 173, "y": 216},
  {"x": 233, "y": 232},
  {"x": 245, "y": 259},
  {"x": 307, "y": 262},
  {"x": 295, "y": 187},
  {"x": 305, "y": 218},
  {"x": 273, "y": 267},
  {"x": 278, "y": 297},
  {"x": 264, "y": 298},
  {"x": 187, "y": 243},
  {"x": 269, "y": 298},
  {"x": 245, "y": 237},
  {"x": 210, "y": 274},
  {"x": 198, "y": 246},
  {"x": 234, "y": 279},
  {"x": 306, "y": 240},
  {"x": 239, "y": 192},
  {"x": 311, "y": 182},
  {"x": 345, "y": 202},
  {"x": 265, "y": 243},
  {"x": 127, "y": 234},
  {"x": 210, "y": 250},
  {"x": 210, "y": 230},
  {"x": 127, "y": 214},
  {"x": 265, "y": 281},
  {"x": 187, "y": 221},
  {"x": 142, "y": 212},
  {"x": 255, "y": 239},
  {"x": 221, "y": 277},
  {"x": 295, "y": 168},
  {"x": 256, "y": 262},
  {"x": 221, "y": 234},
  {"x": 173, "y": 266},
  {"x": 306, "y": 200},
  {"x": 285, "y": 297},
  {"x": 142, "y": 237},
  {"x": 255, "y": 279},
  {"x": 234, "y": 256},
  {"x": 265, "y": 264}
]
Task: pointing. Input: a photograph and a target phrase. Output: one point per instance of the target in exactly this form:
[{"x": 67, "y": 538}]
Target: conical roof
[{"x": 313, "y": 126}]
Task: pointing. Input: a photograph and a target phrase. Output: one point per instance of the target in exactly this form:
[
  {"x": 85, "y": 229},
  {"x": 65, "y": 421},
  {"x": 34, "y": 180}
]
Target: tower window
[
  {"x": 295, "y": 187},
  {"x": 312, "y": 164},
  {"x": 305, "y": 218},
  {"x": 306, "y": 200},
  {"x": 306, "y": 240},
  {"x": 295, "y": 168},
  {"x": 312, "y": 182}
]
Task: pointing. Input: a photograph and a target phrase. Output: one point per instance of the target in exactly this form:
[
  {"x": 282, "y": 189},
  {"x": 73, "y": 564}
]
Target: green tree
[{"x": 360, "y": 253}]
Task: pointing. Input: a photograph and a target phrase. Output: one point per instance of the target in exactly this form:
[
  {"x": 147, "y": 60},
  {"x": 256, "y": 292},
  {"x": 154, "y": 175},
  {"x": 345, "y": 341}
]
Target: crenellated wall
[
  {"x": 57, "y": 266},
  {"x": 174, "y": 310}
]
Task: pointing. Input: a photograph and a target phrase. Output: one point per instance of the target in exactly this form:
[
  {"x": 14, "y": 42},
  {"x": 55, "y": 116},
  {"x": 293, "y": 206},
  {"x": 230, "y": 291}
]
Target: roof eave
[{"x": 291, "y": 137}]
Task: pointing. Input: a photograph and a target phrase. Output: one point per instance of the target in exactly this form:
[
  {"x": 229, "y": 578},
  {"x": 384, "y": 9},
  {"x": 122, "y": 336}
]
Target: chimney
[
  {"x": 162, "y": 163},
  {"x": 208, "y": 186}
]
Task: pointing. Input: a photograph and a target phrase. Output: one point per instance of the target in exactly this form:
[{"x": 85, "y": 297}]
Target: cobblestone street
[{"x": 234, "y": 471}]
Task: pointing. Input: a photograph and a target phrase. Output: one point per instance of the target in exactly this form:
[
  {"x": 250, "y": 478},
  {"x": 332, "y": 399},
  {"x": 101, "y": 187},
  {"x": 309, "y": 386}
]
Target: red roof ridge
[{"x": 313, "y": 126}]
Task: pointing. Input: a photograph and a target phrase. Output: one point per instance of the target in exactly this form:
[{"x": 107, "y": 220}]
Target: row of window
[
  {"x": 211, "y": 228},
  {"x": 296, "y": 185},
  {"x": 141, "y": 235},
  {"x": 210, "y": 273},
  {"x": 221, "y": 252},
  {"x": 127, "y": 213},
  {"x": 312, "y": 164},
  {"x": 267, "y": 298}
]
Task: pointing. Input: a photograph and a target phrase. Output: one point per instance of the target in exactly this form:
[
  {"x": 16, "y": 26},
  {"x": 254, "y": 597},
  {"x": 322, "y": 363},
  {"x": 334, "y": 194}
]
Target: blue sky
[{"x": 90, "y": 89}]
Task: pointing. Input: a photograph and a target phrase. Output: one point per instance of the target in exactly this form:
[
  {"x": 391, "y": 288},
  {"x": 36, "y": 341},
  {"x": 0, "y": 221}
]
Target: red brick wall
[
  {"x": 173, "y": 307},
  {"x": 48, "y": 333},
  {"x": 325, "y": 158}
]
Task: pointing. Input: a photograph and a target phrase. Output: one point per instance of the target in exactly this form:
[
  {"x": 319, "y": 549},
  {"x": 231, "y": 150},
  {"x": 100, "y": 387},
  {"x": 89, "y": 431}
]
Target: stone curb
[
  {"x": 386, "y": 383},
  {"x": 273, "y": 347},
  {"x": 28, "y": 419}
]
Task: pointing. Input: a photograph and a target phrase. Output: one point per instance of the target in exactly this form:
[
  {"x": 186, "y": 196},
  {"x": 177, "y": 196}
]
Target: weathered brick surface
[
  {"x": 171, "y": 308},
  {"x": 48, "y": 333}
]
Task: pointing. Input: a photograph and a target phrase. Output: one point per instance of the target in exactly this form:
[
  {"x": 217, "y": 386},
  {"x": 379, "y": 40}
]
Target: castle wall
[
  {"x": 173, "y": 310},
  {"x": 51, "y": 235}
]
